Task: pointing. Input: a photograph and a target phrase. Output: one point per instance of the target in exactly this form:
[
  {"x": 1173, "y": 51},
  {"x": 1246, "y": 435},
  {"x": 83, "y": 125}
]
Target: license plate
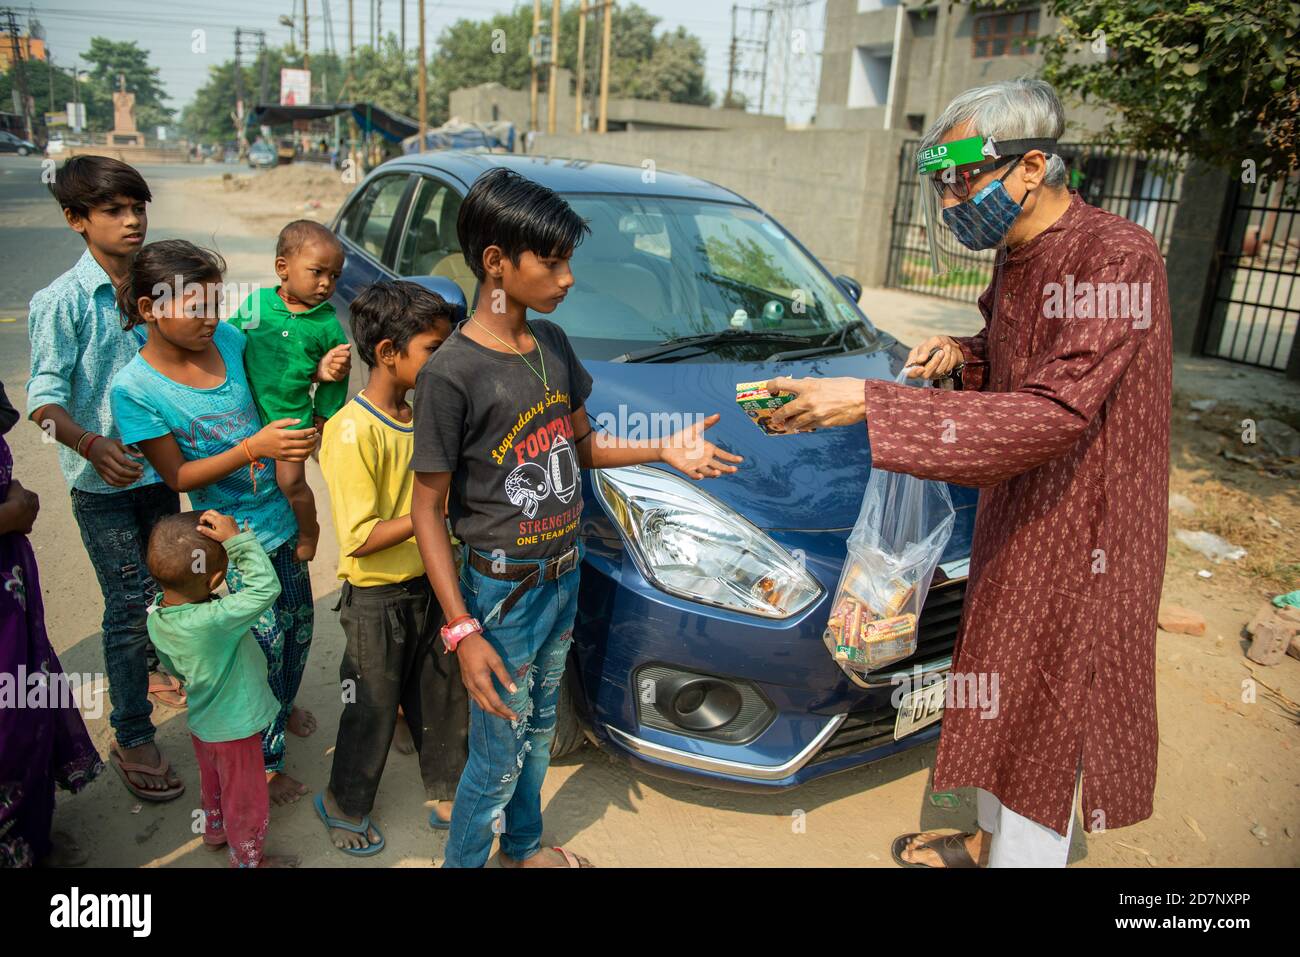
[{"x": 920, "y": 708}]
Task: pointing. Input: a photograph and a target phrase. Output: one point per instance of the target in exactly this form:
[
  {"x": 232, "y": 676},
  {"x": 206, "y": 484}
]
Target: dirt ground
[{"x": 1228, "y": 790}]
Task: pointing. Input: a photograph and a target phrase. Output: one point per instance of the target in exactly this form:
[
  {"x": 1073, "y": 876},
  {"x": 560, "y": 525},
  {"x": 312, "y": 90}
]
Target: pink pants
[{"x": 236, "y": 808}]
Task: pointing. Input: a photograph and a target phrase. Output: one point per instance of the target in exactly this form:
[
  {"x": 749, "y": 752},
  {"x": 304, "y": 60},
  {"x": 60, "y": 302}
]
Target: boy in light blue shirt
[{"x": 77, "y": 346}]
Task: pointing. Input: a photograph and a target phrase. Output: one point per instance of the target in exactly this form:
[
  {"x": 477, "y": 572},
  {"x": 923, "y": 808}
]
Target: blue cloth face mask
[{"x": 984, "y": 220}]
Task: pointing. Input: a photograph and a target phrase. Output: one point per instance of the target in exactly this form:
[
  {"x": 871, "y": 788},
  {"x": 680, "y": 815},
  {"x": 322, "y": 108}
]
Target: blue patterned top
[{"x": 78, "y": 345}]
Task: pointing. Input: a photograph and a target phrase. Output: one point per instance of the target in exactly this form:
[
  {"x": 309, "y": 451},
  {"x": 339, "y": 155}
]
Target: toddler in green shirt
[
  {"x": 294, "y": 340},
  {"x": 206, "y": 641}
]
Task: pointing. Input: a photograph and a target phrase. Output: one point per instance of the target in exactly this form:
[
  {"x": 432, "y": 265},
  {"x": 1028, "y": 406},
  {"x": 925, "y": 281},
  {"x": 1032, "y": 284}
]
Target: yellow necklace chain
[{"x": 540, "y": 351}]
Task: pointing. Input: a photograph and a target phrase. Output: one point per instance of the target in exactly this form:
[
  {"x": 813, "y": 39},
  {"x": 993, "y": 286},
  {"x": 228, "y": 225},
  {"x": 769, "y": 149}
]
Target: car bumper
[{"x": 819, "y": 722}]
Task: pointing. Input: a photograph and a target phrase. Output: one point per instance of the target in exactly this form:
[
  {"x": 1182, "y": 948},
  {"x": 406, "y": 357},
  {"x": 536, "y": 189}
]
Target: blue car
[{"x": 698, "y": 650}]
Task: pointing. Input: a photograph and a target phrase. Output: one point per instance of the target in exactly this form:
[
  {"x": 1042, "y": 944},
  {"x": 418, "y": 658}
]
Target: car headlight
[{"x": 688, "y": 544}]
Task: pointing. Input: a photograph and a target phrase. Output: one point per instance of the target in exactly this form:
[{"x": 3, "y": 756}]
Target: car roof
[{"x": 568, "y": 175}]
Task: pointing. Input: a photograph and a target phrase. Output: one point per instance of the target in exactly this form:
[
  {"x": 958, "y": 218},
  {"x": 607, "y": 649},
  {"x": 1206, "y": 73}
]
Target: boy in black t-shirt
[{"x": 500, "y": 421}]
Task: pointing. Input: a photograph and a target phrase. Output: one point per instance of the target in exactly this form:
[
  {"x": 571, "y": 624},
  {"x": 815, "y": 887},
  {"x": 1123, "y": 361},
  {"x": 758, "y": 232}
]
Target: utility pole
[
  {"x": 424, "y": 92},
  {"x": 351, "y": 29},
  {"x": 379, "y": 24},
  {"x": 20, "y": 72},
  {"x": 403, "y": 5},
  {"x": 262, "y": 57},
  {"x": 580, "y": 91},
  {"x": 552, "y": 80},
  {"x": 306, "y": 43},
  {"x": 603, "y": 125},
  {"x": 240, "y": 133},
  {"x": 731, "y": 61},
  {"x": 49, "y": 73},
  {"x": 534, "y": 50}
]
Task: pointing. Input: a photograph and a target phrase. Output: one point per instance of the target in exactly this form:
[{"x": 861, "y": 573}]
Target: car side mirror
[
  {"x": 447, "y": 289},
  {"x": 850, "y": 286}
]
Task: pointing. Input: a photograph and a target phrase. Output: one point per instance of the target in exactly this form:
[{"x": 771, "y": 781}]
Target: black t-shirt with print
[{"x": 485, "y": 417}]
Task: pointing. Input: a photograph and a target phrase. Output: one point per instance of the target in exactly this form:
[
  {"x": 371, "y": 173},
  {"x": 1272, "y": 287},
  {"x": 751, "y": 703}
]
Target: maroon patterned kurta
[{"x": 1068, "y": 438}]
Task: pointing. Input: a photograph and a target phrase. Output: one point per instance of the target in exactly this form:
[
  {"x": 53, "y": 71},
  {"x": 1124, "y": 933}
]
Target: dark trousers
[
  {"x": 394, "y": 656},
  {"x": 115, "y": 529}
]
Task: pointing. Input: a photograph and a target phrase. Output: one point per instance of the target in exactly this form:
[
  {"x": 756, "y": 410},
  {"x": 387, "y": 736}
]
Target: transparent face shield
[{"x": 953, "y": 172}]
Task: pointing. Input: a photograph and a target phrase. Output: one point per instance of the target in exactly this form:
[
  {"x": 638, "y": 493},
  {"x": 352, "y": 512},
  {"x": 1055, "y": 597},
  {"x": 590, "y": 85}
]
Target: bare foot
[
  {"x": 148, "y": 755},
  {"x": 301, "y": 722},
  {"x": 284, "y": 789},
  {"x": 308, "y": 536},
  {"x": 280, "y": 860},
  {"x": 546, "y": 857},
  {"x": 402, "y": 739},
  {"x": 977, "y": 846},
  {"x": 344, "y": 839}
]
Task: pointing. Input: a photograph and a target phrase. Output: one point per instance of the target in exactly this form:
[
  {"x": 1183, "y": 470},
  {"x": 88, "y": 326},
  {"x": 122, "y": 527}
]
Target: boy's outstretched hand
[
  {"x": 696, "y": 457},
  {"x": 479, "y": 661},
  {"x": 335, "y": 365},
  {"x": 218, "y": 527}
]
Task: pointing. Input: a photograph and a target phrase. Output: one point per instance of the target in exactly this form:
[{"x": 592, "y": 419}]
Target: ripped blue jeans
[
  {"x": 500, "y": 790},
  {"x": 115, "y": 528}
]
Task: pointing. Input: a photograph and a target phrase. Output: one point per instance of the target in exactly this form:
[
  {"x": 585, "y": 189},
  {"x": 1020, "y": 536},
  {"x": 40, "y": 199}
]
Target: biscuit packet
[{"x": 758, "y": 403}]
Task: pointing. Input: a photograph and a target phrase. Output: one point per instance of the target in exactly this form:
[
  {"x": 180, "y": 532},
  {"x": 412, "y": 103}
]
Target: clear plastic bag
[{"x": 901, "y": 532}]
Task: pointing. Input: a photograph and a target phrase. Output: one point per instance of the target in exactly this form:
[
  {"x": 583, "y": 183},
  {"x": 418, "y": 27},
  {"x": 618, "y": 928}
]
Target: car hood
[{"x": 812, "y": 480}]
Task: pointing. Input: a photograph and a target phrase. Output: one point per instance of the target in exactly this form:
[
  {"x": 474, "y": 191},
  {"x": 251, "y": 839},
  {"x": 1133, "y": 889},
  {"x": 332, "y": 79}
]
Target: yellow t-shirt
[{"x": 366, "y": 458}]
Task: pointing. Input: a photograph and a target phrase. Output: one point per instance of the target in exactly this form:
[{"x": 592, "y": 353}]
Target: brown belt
[{"x": 528, "y": 575}]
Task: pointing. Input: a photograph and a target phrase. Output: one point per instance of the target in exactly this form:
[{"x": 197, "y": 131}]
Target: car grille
[{"x": 937, "y": 632}]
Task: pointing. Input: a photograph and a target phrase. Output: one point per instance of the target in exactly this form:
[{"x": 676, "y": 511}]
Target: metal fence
[
  {"x": 1256, "y": 307},
  {"x": 1142, "y": 187}
]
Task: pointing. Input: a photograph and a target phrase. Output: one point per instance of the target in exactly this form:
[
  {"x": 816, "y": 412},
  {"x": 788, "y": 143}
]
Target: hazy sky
[{"x": 164, "y": 28}]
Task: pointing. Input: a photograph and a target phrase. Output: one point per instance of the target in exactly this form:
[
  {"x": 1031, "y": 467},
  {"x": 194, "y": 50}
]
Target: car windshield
[{"x": 657, "y": 269}]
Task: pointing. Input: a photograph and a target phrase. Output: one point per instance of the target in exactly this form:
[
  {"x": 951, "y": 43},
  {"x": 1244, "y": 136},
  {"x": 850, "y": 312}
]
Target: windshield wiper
[
  {"x": 706, "y": 340},
  {"x": 827, "y": 347}
]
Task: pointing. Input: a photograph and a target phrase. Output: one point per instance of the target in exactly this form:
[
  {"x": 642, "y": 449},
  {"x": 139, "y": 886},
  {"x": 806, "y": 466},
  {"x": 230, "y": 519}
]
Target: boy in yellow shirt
[{"x": 387, "y": 609}]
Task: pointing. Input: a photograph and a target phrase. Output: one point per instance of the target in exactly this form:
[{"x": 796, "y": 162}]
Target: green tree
[
  {"x": 386, "y": 77},
  {"x": 642, "y": 66},
  {"x": 209, "y": 117},
  {"x": 1216, "y": 80},
  {"x": 111, "y": 59}
]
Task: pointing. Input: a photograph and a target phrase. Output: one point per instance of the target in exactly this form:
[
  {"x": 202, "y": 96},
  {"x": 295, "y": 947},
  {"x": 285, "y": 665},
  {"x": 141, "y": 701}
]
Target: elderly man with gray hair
[{"x": 1060, "y": 415}]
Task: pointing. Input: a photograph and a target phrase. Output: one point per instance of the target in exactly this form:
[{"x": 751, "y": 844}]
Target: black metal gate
[
  {"x": 1255, "y": 312},
  {"x": 1141, "y": 187}
]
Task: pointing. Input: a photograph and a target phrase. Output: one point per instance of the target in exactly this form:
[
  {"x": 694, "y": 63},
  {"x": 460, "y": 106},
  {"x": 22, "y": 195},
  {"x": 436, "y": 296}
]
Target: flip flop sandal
[
  {"x": 122, "y": 767},
  {"x": 951, "y": 849},
  {"x": 437, "y": 823},
  {"x": 166, "y": 690},
  {"x": 571, "y": 859},
  {"x": 364, "y": 829}
]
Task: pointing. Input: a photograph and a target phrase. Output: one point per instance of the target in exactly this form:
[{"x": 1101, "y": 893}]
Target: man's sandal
[
  {"x": 951, "y": 849},
  {"x": 123, "y": 767}
]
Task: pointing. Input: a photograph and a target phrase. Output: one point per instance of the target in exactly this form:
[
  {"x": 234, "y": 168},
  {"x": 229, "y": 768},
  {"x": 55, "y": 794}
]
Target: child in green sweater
[
  {"x": 206, "y": 642},
  {"x": 295, "y": 340}
]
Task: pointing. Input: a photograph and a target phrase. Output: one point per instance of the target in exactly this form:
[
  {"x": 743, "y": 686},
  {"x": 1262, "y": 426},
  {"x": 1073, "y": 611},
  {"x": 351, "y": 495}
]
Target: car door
[
  {"x": 370, "y": 230},
  {"x": 429, "y": 245}
]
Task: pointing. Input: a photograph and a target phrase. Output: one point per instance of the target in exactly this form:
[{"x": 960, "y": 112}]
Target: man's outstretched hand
[{"x": 819, "y": 403}]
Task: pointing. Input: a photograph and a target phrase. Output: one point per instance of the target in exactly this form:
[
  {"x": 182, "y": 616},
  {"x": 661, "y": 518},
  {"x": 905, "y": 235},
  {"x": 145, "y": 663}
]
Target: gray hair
[{"x": 1023, "y": 108}]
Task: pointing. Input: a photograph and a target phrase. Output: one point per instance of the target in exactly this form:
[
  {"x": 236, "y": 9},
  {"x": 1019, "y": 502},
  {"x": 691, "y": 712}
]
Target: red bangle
[
  {"x": 90, "y": 445},
  {"x": 459, "y": 619}
]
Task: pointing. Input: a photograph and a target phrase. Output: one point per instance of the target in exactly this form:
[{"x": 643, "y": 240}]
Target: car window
[
  {"x": 655, "y": 268},
  {"x": 430, "y": 247},
  {"x": 368, "y": 220}
]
